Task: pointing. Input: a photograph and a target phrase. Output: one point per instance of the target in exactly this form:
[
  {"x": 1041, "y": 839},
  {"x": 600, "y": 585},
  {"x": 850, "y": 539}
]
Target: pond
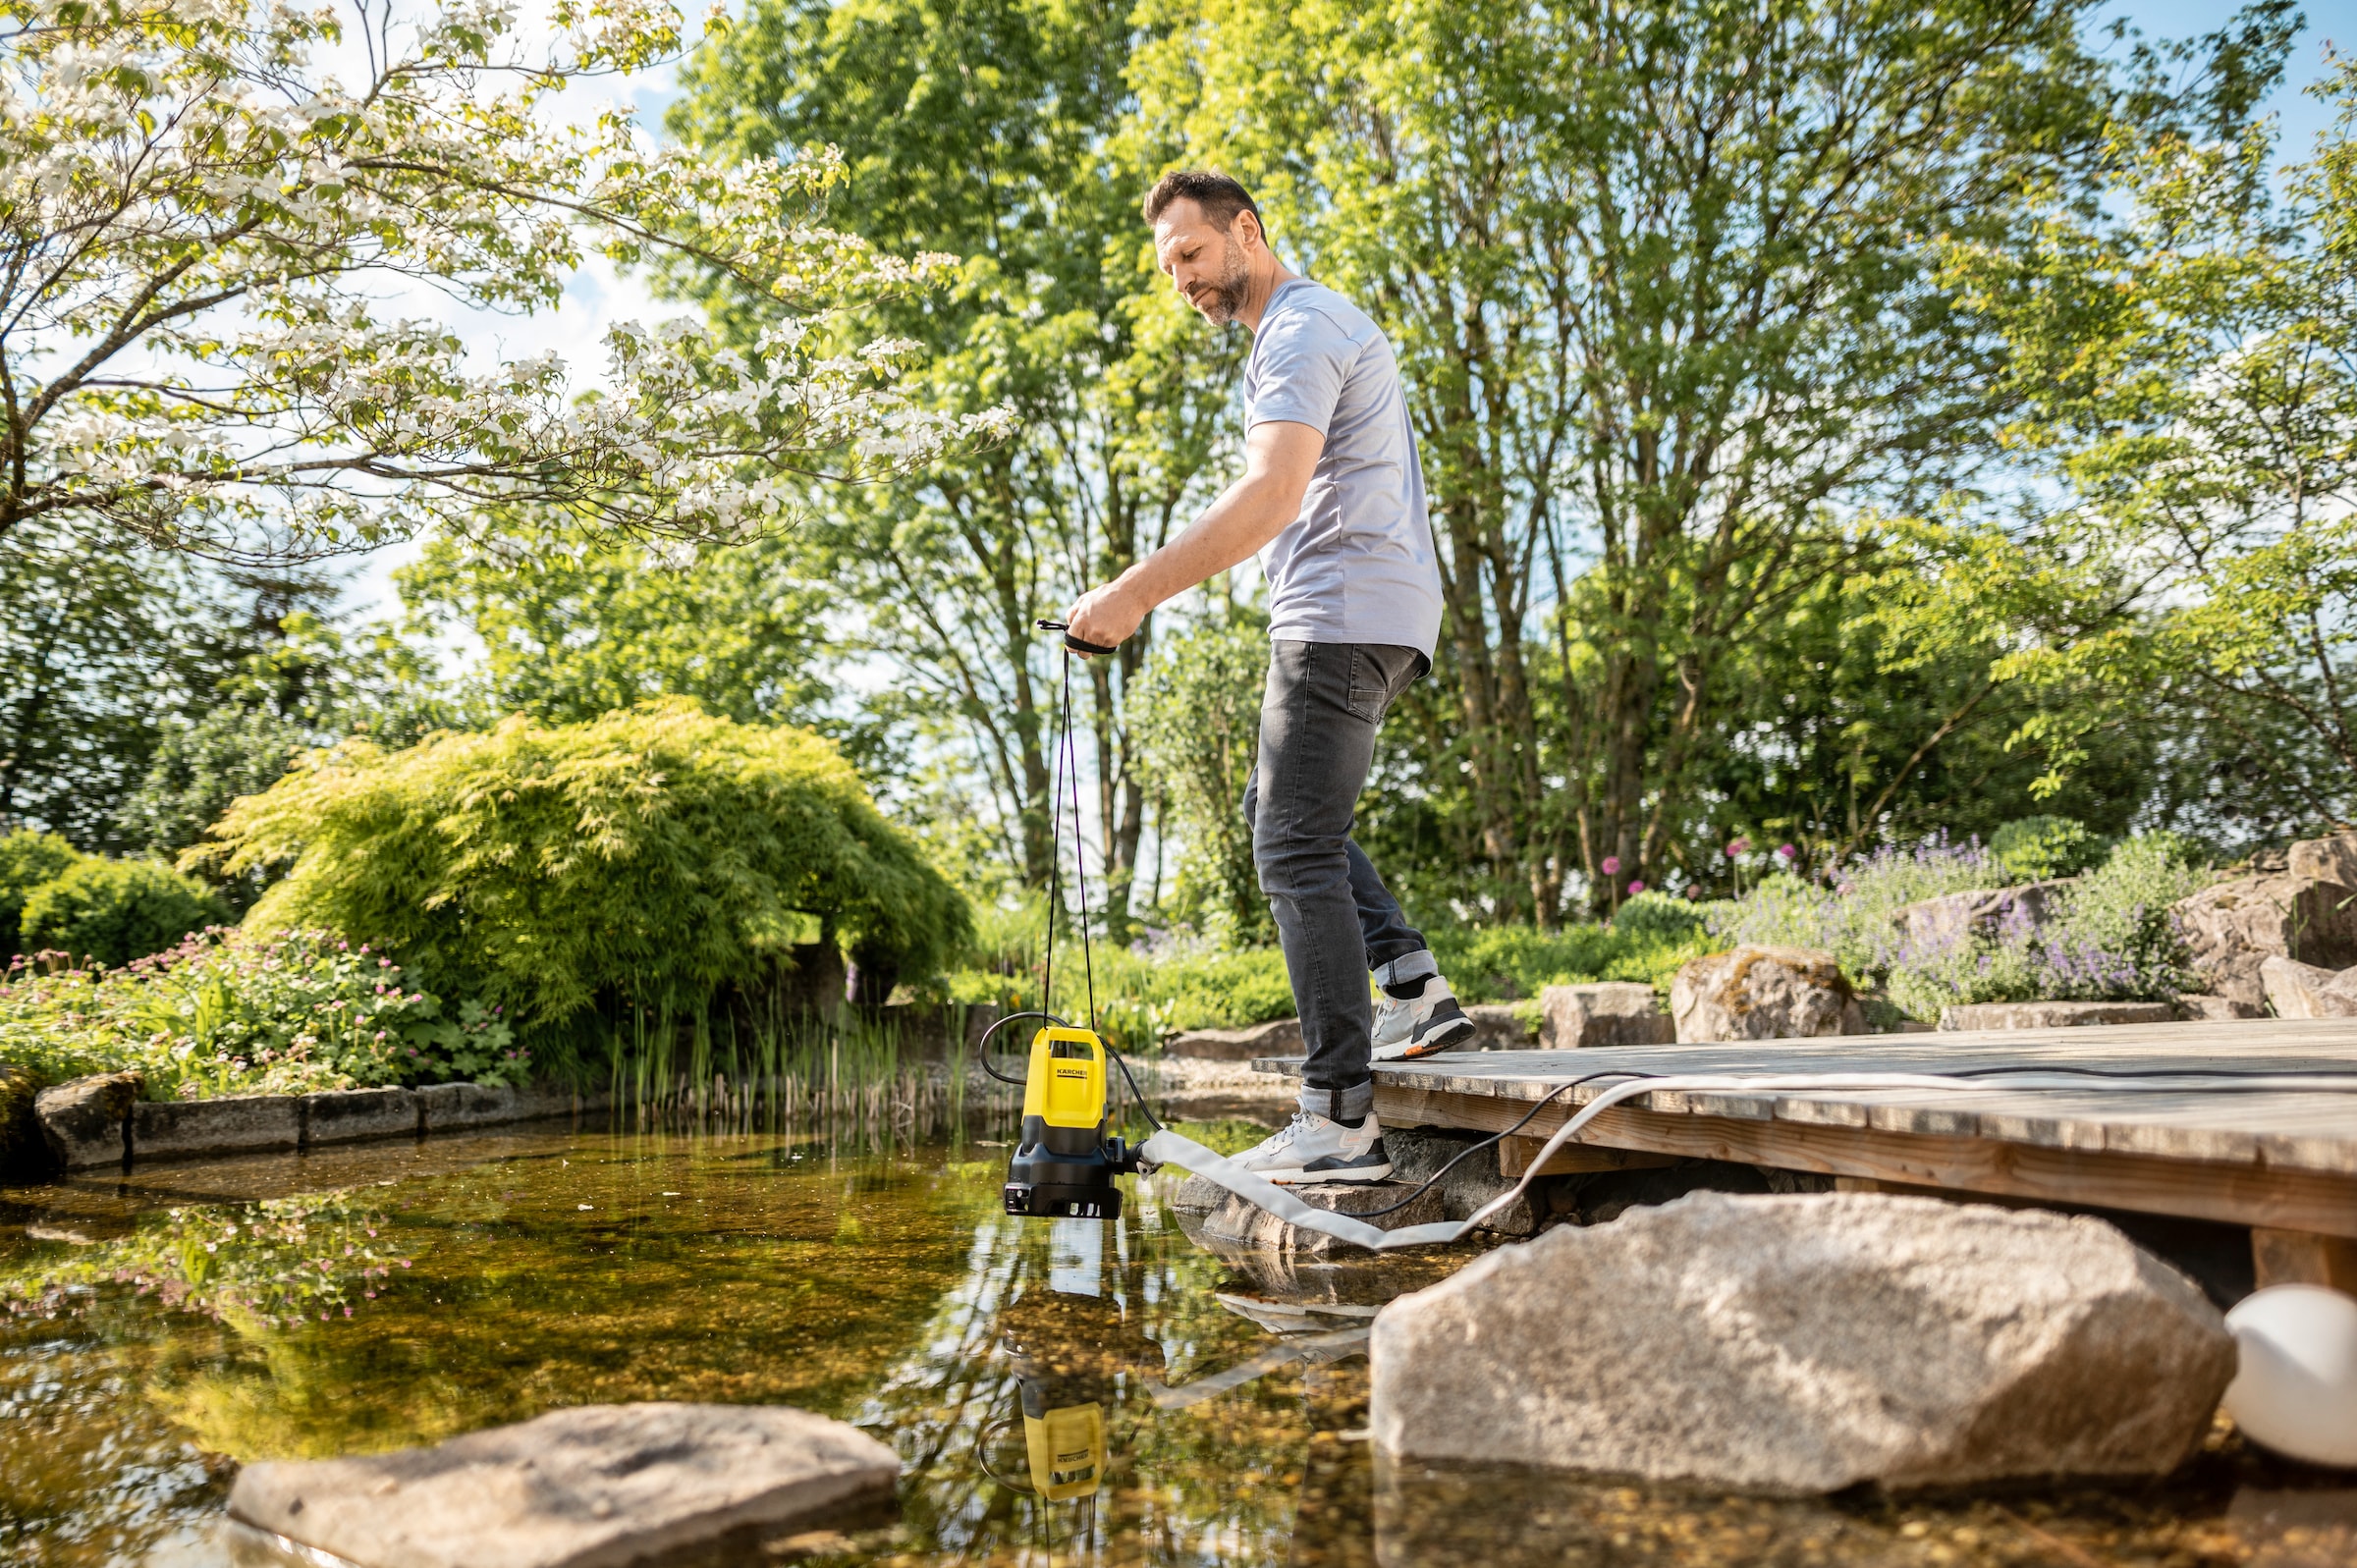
[{"x": 165, "y": 1328}]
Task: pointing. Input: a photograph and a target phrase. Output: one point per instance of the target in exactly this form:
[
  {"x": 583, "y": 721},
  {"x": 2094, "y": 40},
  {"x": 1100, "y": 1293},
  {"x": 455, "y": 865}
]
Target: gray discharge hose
[{"x": 1170, "y": 1147}]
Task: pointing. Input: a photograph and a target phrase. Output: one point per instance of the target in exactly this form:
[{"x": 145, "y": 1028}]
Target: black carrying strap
[{"x": 1071, "y": 643}]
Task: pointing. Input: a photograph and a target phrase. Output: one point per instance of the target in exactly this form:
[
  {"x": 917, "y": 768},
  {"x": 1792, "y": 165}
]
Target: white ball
[{"x": 2296, "y": 1386}]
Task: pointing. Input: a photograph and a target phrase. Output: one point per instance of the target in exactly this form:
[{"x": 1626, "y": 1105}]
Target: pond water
[{"x": 166, "y": 1328}]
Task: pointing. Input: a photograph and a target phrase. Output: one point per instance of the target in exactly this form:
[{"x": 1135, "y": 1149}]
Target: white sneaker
[
  {"x": 1311, "y": 1149},
  {"x": 1420, "y": 1025}
]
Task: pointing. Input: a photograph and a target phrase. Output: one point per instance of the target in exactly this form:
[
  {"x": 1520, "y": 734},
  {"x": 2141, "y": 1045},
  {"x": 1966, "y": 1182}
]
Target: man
[{"x": 1333, "y": 492}]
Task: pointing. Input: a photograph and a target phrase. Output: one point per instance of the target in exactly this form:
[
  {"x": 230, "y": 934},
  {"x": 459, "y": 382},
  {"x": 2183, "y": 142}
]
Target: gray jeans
[{"x": 1334, "y": 918}]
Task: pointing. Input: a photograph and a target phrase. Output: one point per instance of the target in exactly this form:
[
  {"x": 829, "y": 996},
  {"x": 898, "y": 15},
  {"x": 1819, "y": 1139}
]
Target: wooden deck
[{"x": 2282, "y": 1162}]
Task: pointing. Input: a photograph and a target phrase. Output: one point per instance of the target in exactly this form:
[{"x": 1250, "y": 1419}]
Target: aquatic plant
[{"x": 230, "y": 1011}]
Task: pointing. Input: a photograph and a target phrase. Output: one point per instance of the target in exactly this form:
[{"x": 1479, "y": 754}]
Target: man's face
[{"x": 1208, "y": 267}]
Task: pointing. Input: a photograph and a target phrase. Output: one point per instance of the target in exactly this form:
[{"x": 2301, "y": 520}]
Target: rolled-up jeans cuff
[
  {"x": 1355, "y": 1104},
  {"x": 1417, "y": 965}
]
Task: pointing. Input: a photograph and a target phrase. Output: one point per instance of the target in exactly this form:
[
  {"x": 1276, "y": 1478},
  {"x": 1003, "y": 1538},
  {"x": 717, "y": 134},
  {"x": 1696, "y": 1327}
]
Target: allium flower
[
  {"x": 1785, "y": 852},
  {"x": 1737, "y": 848},
  {"x": 1636, "y": 886},
  {"x": 1611, "y": 865}
]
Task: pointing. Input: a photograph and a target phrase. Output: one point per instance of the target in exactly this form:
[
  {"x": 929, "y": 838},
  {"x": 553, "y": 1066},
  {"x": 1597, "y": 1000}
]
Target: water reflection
[{"x": 1060, "y": 1391}]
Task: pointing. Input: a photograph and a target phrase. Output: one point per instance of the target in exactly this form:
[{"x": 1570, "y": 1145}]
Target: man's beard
[{"x": 1222, "y": 299}]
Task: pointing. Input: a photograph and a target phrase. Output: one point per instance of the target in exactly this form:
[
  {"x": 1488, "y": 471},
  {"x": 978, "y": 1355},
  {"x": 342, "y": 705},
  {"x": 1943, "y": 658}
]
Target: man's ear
[{"x": 1249, "y": 231}]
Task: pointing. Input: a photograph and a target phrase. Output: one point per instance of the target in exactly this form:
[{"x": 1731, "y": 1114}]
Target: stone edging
[{"x": 94, "y": 1123}]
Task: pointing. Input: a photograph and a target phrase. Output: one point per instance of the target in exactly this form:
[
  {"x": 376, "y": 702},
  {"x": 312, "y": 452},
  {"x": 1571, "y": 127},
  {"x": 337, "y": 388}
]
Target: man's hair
[{"x": 1220, "y": 197}]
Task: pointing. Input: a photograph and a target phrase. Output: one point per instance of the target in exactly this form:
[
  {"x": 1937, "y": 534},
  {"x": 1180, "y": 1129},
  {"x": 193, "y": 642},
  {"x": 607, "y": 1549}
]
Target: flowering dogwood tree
[{"x": 200, "y": 222}]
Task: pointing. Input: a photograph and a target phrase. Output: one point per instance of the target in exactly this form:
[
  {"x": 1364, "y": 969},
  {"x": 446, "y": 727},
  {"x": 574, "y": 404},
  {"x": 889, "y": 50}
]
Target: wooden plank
[
  {"x": 2303, "y": 1258},
  {"x": 2320, "y": 1202},
  {"x": 1514, "y": 1158}
]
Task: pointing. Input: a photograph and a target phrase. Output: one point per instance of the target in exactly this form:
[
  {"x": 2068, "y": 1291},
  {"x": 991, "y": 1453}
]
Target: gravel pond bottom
[{"x": 162, "y": 1330}]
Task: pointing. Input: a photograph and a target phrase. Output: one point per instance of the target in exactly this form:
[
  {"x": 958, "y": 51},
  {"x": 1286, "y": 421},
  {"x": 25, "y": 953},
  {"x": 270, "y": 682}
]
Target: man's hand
[
  {"x": 1108, "y": 616},
  {"x": 1278, "y": 459}
]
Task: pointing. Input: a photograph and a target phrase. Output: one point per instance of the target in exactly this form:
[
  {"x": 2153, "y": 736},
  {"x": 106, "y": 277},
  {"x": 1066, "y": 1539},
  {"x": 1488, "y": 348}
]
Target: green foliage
[
  {"x": 576, "y": 624},
  {"x": 659, "y": 854},
  {"x": 112, "y": 912},
  {"x": 248, "y": 1013},
  {"x": 1646, "y": 940},
  {"x": 1196, "y": 717},
  {"x": 2189, "y": 356},
  {"x": 994, "y": 130},
  {"x": 2036, "y": 849},
  {"x": 27, "y": 860}
]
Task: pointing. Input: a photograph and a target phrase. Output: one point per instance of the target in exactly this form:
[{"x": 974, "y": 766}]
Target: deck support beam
[{"x": 2320, "y": 1204}]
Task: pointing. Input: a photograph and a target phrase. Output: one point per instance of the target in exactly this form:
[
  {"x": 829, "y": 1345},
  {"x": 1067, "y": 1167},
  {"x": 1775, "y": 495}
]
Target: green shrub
[
  {"x": 658, "y": 854},
  {"x": 245, "y": 1013},
  {"x": 27, "y": 860},
  {"x": 112, "y": 912},
  {"x": 1849, "y": 912},
  {"x": 2037, "y": 848}
]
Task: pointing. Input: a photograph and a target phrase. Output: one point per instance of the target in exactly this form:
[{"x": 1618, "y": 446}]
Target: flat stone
[
  {"x": 1420, "y": 1153},
  {"x": 1611, "y": 1012},
  {"x": 1808, "y": 1343},
  {"x": 82, "y": 1121},
  {"x": 345, "y": 1115},
  {"x": 1239, "y": 1222},
  {"x": 2231, "y": 928},
  {"x": 1197, "y": 1195},
  {"x": 1762, "y": 993},
  {"x": 2296, "y": 989},
  {"x": 2203, "y": 1007},
  {"x": 1281, "y": 1037},
  {"x": 594, "y": 1487},
  {"x": 2054, "y": 1014},
  {"x": 187, "y": 1129}
]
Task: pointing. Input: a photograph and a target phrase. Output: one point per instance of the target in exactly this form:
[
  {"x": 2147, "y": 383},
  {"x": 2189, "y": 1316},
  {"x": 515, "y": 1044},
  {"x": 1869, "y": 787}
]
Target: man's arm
[{"x": 1278, "y": 459}]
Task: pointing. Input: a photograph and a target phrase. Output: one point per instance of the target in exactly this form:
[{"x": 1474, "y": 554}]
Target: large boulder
[
  {"x": 1765, "y": 994},
  {"x": 83, "y": 1122},
  {"x": 1613, "y": 1012},
  {"x": 2333, "y": 859},
  {"x": 1419, "y": 1153},
  {"x": 2231, "y": 928},
  {"x": 1805, "y": 1344},
  {"x": 594, "y": 1484},
  {"x": 1941, "y": 922},
  {"x": 2296, "y": 989}
]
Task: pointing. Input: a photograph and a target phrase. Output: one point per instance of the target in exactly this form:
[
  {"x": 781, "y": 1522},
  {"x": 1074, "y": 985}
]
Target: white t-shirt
[{"x": 1359, "y": 563}]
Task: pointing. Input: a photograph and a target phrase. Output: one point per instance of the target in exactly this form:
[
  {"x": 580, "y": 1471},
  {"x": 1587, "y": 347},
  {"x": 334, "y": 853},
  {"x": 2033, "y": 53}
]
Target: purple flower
[
  {"x": 1737, "y": 848},
  {"x": 1636, "y": 886},
  {"x": 1611, "y": 865},
  {"x": 1785, "y": 852}
]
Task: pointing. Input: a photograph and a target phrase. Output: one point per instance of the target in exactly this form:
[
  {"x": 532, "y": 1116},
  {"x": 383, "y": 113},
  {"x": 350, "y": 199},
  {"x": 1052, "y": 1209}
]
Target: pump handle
[{"x": 1072, "y": 642}]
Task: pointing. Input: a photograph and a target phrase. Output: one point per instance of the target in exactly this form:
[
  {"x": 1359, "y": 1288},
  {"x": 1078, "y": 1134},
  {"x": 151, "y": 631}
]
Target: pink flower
[
  {"x": 1785, "y": 851},
  {"x": 1636, "y": 886},
  {"x": 1693, "y": 889},
  {"x": 1611, "y": 865},
  {"x": 1736, "y": 847}
]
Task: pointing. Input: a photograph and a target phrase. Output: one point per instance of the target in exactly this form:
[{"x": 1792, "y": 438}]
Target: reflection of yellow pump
[
  {"x": 1066, "y": 1446},
  {"x": 1067, "y": 1158},
  {"x": 1069, "y": 1354}
]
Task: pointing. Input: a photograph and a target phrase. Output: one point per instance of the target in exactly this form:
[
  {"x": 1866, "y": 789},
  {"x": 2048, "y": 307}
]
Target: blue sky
[{"x": 2328, "y": 21}]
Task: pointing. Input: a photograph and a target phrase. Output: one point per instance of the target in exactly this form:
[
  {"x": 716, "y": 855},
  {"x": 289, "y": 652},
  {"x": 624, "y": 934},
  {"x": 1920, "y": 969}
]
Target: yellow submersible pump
[{"x": 1067, "y": 1155}]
